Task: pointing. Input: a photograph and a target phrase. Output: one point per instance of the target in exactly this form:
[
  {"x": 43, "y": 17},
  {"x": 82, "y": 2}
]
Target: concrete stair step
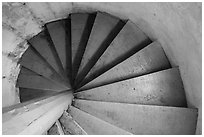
[
  {"x": 60, "y": 34},
  {"x": 142, "y": 119},
  {"x": 129, "y": 41},
  {"x": 27, "y": 94},
  {"x": 93, "y": 125},
  {"x": 53, "y": 130},
  {"x": 81, "y": 25},
  {"x": 32, "y": 60},
  {"x": 104, "y": 30},
  {"x": 148, "y": 60},
  {"x": 70, "y": 126},
  {"x": 163, "y": 88},
  {"x": 30, "y": 79},
  {"x": 43, "y": 45},
  {"x": 56, "y": 129}
]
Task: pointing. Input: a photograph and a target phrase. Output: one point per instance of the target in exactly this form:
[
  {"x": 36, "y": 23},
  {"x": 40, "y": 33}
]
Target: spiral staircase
[{"x": 121, "y": 80}]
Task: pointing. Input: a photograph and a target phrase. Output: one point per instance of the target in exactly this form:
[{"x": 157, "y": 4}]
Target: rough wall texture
[
  {"x": 177, "y": 26},
  {"x": 18, "y": 25}
]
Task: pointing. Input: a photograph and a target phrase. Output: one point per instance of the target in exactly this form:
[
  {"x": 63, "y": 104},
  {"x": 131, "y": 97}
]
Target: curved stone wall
[{"x": 177, "y": 26}]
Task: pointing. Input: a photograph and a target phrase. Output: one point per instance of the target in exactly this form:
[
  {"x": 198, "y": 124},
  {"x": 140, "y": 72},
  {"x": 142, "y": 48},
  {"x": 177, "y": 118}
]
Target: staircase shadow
[
  {"x": 54, "y": 52},
  {"x": 82, "y": 44},
  {"x": 27, "y": 94},
  {"x": 68, "y": 70},
  {"x": 100, "y": 51},
  {"x": 118, "y": 80},
  {"x": 118, "y": 60}
]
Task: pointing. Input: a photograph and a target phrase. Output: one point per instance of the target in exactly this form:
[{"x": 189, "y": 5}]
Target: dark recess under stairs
[{"x": 122, "y": 81}]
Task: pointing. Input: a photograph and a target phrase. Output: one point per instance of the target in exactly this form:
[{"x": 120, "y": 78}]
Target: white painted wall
[{"x": 177, "y": 26}]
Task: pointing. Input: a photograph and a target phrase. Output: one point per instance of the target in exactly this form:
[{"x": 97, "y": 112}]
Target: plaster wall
[{"x": 177, "y": 26}]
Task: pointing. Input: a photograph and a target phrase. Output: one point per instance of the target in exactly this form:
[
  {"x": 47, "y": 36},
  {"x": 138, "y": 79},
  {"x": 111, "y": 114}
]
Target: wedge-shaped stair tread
[
  {"x": 59, "y": 127},
  {"x": 70, "y": 127},
  {"x": 104, "y": 30},
  {"x": 93, "y": 125},
  {"x": 81, "y": 24},
  {"x": 150, "y": 59},
  {"x": 162, "y": 88},
  {"x": 143, "y": 119},
  {"x": 129, "y": 41},
  {"x": 53, "y": 130},
  {"x": 43, "y": 45},
  {"x": 61, "y": 37},
  {"x": 30, "y": 79},
  {"x": 33, "y": 61},
  {"x": 56, "y": 129},
  {"x": 27, "y": 94}
]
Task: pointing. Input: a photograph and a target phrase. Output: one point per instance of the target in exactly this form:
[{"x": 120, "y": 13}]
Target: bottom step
[
  {"x": 53, "y": 130},
  {"x": 56, "y": 129},
  {"x": 70, "y": 127},
  {"x": 93, "y": 125},
  {"x": 141, "y": 119}
]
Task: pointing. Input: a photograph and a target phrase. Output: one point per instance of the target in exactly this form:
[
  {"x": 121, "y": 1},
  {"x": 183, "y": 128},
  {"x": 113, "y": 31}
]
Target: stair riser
[
  {"x": 44, "y": 46},
  {"x": 53, "y": 130},
  {"x": 81, "y": 25},
  {"x": 148, "y": 60},
  {"x": 70, "y": 126},
  {"x": 93, "y": 125},
  {"x": 129, "y": 41},
  {"x": 60, "y": 35},
  {"x": 38, "y": 82},
  {"x": 104, "y": 30},
  {"x": 30, "y": 79},
  {"x": 32, "y": 60},
  {"x": 143, "y": 119},
  {"x": 163, "y": 88},
  {"x": 27, "y": 94}
]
